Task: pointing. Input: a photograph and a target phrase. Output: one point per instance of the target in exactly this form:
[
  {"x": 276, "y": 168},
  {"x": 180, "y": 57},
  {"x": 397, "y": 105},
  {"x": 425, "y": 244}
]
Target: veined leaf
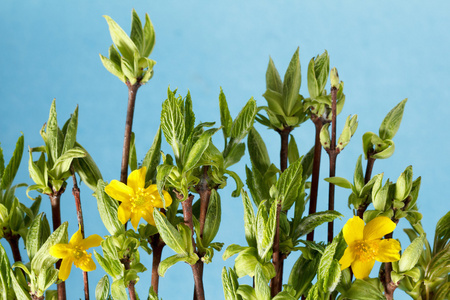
[
  {"x": 258, "y": 151},
  {"x": 168, "y": 262},
  {"x": 71, "y": 132},
  {"x": 262, "y": 290},
  {"x": 225, "y": 116},
  {"x": 197, "y": 149},
  {"x": 122, "y": 41},
  {"x": 137, "y": 34},
  {"x": 310, "y": 222},
  {"x": 249, "y": 220},
  {"x": 293, "y": 154},
  {"x": 289, "y": 183},
  {"x": 391, "y": 122},
  {"x": 172, "y": 123},
  {"x": 118, "y": 290},
  {"x": 8, "y": 174},
  {"x": 169, "y": 234},
  {"x": 213, "y": 218},
  {"x": 265, "y": 228},
  {"x": 108, "y": 208},
  {"x": 291, "y": 83},
  {"x": 230, "y": 284},
  {"x": 244, "y": 121},
  {"x": 149, "y": 37},
  {"x": 153, "y": 156},
  {"x": 54, "y": 136},
  {"x": 273, "y": 80},
  {"x": 102, "y": 288},
  {"x": 411, "y": 254}
]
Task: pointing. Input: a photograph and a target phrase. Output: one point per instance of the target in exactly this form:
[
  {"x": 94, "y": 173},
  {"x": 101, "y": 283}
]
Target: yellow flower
[
  {"x": 75, "y": 252},
  {"x": 137, "y": 202},
  {"x": 365, "y": 245}
]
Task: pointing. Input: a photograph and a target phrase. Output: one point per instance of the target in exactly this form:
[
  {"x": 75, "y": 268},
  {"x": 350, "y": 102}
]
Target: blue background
[{"x": 385, "y": 51}]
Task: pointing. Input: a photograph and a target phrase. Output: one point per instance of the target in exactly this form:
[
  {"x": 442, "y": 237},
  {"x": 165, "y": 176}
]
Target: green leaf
[
  {"x": 107, "y": 208},
  {"x": 265, "y": 228},
  {"x": 244, "y": 121},
  {"x": 442, "y": 232},
  {"x": 111, "y": 265},
  {"x": 313, "y": 87},
  {"x": 54, "y": 136},
  {"x": 238, "y": 181},
  {"x": 411, "y": 255},
  {"x": 234, "y": 155},
  {"x": 310, "y": 222},
  {"x": 392, "y": 121},
  {"x": 162, "y": 175},
  {"x": 258, "y": 151},
  {"x": 198, "y": 149},
  {"x": 293, "y": 155},
  {"x": 358, "y": 178},
  {"x": 246, "y": 292},
  {"x": 137, "y": 34},
  {"x": 172, "y": 123},
  {"x": 380, "y": 194},
  {"x": 189, "y": 117},
  {"x": 225, "y": 116},
  {"x": 273, "y": 80},
  {"x": 364, "y": 290},
  {"x": 169, "y": 234},
  {"x": 42, "y": 260},
  {"x": 9, "y": 173},
  {"x": 122, "y": 41},
  {"x": 113, "y": 67},
  {"x": 87, "y": 169},
  {"x": 102, "y": 288},
  {"x": 262, "y": 290},
  {"x": 71, "y": 132},
  {"x": 212, "y": 220},
  {"x": 37, "y": 234},
  {"x": 118, "y": 290},
  {"x": 339, "y": 181},
  {"x": 230, "y": 284},
  {"x": 403, "y": 185},
  {"x": 291, "y": 84},
  {"x": 132, "y": 156},
  {"x": 232, "y": 250},
  {"x": 149, "y": 37},
  {"x": 274, "y": 102},
  {"x": 302, "y": 274},
  {"x": 18, "y": 290},
  {"x": 168, "y": 262},
  {"x": 321, "y": 70},
  {"x": 2, "y": 164},
  {"x": 387, "y": 152},
  {"x": 63, "y": 163},
  {"x": 289, "y": 183},
  {"x": 153, "y": 156},
  {"x": 249, "y": 220},
  {"x": 129, "y": 69}
]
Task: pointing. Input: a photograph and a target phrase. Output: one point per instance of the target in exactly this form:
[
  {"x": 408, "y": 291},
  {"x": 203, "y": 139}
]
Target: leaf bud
[{"x": 334, "y": 78}]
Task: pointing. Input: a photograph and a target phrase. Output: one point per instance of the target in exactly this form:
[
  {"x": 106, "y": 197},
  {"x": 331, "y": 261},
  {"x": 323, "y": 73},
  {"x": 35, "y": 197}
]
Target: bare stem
[
  {"x": 131, "y": 291},
  {"x": 132, "y": 91},
  {"x": 13, "y": 241},
  {"x": 318, "y": 122},
  {"x": 157, "y": 246},
  {"x": 55, "y": 200},
  {"x": 332, "y": 152},
  {"x": 370, "y": 162},
  {"x": 389, "y": 285},
  {"x": 197, "y": 268},
  {"x": 76, "y": 195}
]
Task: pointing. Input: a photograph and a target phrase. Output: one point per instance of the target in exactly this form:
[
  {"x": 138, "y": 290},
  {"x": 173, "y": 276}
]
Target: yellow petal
[
  {"x": 77, "y": 237},
  {"x": 361, "y": 269},
  {"x": 60, "y": 250},
  {"x": 124, "y": 213},
  {"x": 64, "y": 269},
  {"x": 388, "y": 251},
  {"x": 119, "y": 191},
  {"x": 147, "y": 214},
  {"x": 378, "y": 227},
  {"x": 347, "y": 259},
  {"x": 353, "y": 230},
  {"x": 86, "y": 264},
  {"x": 135, "y": 218},
  {"x": 136, "y": 179},
  {"x": 91, "y": 241}
]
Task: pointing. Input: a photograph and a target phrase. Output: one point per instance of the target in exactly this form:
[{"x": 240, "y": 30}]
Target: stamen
[{"x": 366, "y": 250}]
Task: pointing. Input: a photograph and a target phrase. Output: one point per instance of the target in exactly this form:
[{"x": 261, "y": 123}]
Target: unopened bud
[{"x": 334, "y": 78}]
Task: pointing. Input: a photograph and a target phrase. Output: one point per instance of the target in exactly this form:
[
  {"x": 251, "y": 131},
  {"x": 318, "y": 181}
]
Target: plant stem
[
  {"x": 276, "y": 283},
  {"x": 157, "y": 246},
  {"x": 132, "y": 90},
  {"x": 332, "y": 153},
  {"x": 76, "y": 195},
  {"x": 13, "y": 241},
  {"x": 205, "y": 193},
  {"x": 131, "y": 291},
  {"x": 55, "y": 200},
  {"x": 389, "y": 285},
  {"x": 318, "y": 122},
  {"x": 197, "y": 269},
  {"x": 370, "y": 162}
]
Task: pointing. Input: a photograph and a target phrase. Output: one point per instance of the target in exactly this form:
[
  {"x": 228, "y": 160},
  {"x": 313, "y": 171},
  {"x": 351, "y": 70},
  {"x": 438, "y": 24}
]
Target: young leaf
[
  {"x": 198, "y": 149},
  {"x": 244, "y": 121},
  {"x": 339, "y": 181},
  {"x": 258, "y": 151},
  {"x": 11, "y": 169},
  {"x": 118, "y": 291},
  {"x": 265, "y": 228},
  {"x": 249, "y": 221},
  {"x": 71, "y": 132},
  {"x": 262, "y": 290},
  {"x": 442, "y": 233},
  {"x": 289, "y": 183},
  {"x": 358, "y": 178},
  {"x": 291, "y": 84},
  {"x": 310, "y": 222},
  {"x": 169, "y": 234},
  {"x": 108, "y": 208},
  {"x": 137, "y": 34},
  {"x": 149, "y": 37},
  {"x": 212, "y": 220},
  {"x": 230, "y": 284},
  {"x": 293, "y": 155},
  {"x": 87, "y": 169},
  {"x": 172, "y": 123},
  {"x": 189, "y": 117},
  {"x": 102, "y": 288},
  {"x": 225, "y": 116},
  {"x": 392, "y": 121},
  {"x": 122, "y": 41},
  {"x": 132, "y": 159},
  {"x": 411, "y": 254},
  {"x": 168, "y": 262},
  {"x": 273, "y": 80},
  {"x": 153, "y": 156}
]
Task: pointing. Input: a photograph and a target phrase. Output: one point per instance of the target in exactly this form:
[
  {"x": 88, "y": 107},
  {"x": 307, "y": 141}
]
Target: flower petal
[
  {"x": 347, "y": 259},
  {"x": 119, "y": 191},
  {"x": 361, "y": 269},
  {"x": 86, "y": 264},
  {"x": 378, "y": 227},
  {"x": 91, "y": 241},
  {"x": 60, "y": 250},
  {"x": 136, "y": 179},
  {"x": 147, "y": 214},
  {"x": 64, "y": 269},
  {"x": 124, "y": 213},
  {"x": 77, "y": 237},
  {"x": 135, "y": 218},
  {"x": 353, "y": 230},
  {"x": 388, "y": 251}
]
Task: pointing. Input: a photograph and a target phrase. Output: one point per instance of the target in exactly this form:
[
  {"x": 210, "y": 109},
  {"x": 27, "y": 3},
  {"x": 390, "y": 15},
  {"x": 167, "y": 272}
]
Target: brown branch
[
  {"x": 157, "y": 246},
  {"x": 318, "y": 122},
  {"x": 76, "y": 195},
  {"x": 55, "y": 201},
  {"x": 370, "y": 162},
  {"x": 389, "y": 285},
  {"x": 132, "y": 91},
  {"x": 13, "y": 241},
  {"x": 131, "y": 291}
]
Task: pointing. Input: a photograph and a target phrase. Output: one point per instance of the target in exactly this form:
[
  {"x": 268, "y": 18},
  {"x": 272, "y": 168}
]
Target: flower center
[
  {"x": 366, "y": 250},
  {"x": 140, "y": 199},
  {"x": 78, "y": 253}
]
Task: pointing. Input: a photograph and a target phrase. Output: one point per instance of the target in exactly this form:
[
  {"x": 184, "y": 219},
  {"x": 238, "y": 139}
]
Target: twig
[
  {"x": 76, "y": 195},
  {"x": 157, "y": 246},
  {"x": 370, "y": 162}
]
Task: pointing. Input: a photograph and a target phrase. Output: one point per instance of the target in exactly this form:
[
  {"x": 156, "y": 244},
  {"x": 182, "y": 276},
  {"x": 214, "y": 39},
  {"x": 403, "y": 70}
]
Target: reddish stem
[
  {"x": 332, "y": 152},
  {"x": 157, "y": 246}
]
